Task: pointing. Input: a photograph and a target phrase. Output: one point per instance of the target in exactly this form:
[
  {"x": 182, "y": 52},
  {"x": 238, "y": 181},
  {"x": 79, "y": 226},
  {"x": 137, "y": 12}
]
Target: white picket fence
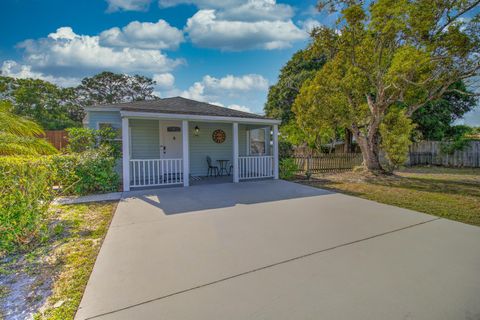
[
  {"x": 253, "y": 167},
  {"x": 155, "y": 172}
]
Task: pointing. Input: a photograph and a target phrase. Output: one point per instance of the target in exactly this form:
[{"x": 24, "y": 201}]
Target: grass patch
[
  {"x": 50, "y": 279},
  {"x": 451, "y": 193}
]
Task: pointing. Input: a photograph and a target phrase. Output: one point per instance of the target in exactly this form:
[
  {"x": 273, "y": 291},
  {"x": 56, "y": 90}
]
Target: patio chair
[{"x": 212, "y": 170}]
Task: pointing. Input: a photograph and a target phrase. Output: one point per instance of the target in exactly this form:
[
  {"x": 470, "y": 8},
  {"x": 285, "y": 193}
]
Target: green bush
[
  {"x": 395, "y": 130},
  {"x": 26, "y": 188},
  {"x": 83, "y": 139},
  {"x": 288, "y": 168},
  {"x": 12, "y": 145},
  {"x": 25, "y": 194},
  {"x": 91, "y": 171},
  {"x": 96, "y": 172}
]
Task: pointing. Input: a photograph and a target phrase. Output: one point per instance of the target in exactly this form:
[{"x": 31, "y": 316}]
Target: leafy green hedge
[
  {"x": 288, "y": 168},
  {"x": 92, "y": 171},
  {"x": 25, "y": 194},
  {"x": 26, "y": 189}
]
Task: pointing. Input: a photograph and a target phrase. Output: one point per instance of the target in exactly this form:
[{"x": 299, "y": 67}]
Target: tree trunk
[
  {"x": 347, "y": 146},
  {"x": 370, "y": 152}
]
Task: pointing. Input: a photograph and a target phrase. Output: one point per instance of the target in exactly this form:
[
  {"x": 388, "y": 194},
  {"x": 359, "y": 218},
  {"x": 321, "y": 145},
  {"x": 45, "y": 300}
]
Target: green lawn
[
  {"x": 50, "y": 279},
  {"x": 451, "y": 193}
]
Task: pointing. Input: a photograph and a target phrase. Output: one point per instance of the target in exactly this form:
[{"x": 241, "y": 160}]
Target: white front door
[{"x": 170, "y": 140}]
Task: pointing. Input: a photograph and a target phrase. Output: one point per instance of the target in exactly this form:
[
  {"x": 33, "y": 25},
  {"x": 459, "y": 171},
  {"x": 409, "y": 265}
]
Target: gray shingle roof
[{"x": 179, "y": 105}]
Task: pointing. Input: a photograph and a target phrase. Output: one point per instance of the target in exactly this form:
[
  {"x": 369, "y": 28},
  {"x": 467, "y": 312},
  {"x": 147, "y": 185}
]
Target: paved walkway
[{"x": 279, "y": 250}]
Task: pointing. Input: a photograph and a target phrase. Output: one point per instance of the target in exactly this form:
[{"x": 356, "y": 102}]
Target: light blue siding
[
  {"x": 145, "y": 139},
  {"x": 203, "y": 145},
  {"x": 96, "y": 117}
]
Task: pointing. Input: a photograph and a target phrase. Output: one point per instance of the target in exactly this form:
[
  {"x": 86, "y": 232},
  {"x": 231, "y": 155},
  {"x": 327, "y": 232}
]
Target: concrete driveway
[{"x": 279, "y": 250}]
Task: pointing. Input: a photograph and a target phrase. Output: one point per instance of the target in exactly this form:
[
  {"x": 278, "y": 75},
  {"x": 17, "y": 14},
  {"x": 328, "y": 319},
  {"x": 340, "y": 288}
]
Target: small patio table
[{"x": 223, "y": 167}]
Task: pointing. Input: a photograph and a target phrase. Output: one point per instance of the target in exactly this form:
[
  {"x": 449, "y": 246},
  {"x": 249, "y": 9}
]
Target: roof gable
[{"x": 179, "y": 105}]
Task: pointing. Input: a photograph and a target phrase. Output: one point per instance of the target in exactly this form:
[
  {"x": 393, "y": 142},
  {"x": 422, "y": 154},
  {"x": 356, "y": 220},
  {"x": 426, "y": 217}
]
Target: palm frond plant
[{"x": 19, "y": 136}]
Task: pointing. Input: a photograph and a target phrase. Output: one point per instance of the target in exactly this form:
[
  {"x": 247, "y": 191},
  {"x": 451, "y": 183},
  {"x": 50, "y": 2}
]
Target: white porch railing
[
  {"x": 252, "y": 167},
  {"x": 155, "y": 172}
]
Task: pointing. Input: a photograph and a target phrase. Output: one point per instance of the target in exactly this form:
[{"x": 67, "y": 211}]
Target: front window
[{"x": 257, "y": 142}]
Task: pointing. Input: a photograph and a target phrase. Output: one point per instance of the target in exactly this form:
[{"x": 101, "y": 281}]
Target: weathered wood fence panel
[
  {"x": 57, "y": 137},
  {"x": 328, "y": 162},
  {"x": 430, "y": 153}
]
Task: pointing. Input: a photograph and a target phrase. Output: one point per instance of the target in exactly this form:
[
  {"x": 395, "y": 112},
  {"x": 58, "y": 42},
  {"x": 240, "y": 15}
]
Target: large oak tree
[{"x": 386, "y": 54}]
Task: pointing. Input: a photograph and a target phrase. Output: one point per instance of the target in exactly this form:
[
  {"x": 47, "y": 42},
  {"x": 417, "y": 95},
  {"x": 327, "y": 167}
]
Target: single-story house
[{"x": 173, "y": 140}]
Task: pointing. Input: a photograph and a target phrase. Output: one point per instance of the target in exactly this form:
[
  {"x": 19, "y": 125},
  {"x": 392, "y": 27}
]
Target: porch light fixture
[{"x": 196, "y": 130}]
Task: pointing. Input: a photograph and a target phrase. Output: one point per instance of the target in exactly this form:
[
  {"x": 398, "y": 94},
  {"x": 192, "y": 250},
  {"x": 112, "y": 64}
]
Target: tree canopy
[
  {"x": 54, "y": 107},
  {"x": 109, "y": 87},
  {"x": 50, "y": 106},
  {"x": 435, "y": 120},
  {"x": 386, "y": 54}
]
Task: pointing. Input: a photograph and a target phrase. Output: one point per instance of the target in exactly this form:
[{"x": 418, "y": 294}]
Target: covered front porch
[{"x": 162, "y": 150}]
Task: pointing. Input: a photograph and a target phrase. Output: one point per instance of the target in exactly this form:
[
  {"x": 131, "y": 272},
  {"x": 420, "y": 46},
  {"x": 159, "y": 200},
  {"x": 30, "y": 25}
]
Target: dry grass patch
[
  {"x": 452, "y": 193},
  {"x": 49, "y": 280}
]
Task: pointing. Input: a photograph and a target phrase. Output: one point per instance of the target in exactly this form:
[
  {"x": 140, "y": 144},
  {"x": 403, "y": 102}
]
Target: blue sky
[{"x": 226, "y": 52}]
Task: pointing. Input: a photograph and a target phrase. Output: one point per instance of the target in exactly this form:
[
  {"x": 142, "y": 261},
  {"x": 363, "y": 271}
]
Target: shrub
[
  {"x": 26, "y": 188},
  {"x": 395, "y": 130},
  {"x": 285, "y": 149},
  {"x": 13, "y": 145},
  {"x": 25, "y": 194},
  {"x": 288, "y": 168},
  {"x": 458, "y": 139},
  {"x": 96, "y": 172},
  {"x": 91, "y": 171},
  {"x": 81, "y": 139}
]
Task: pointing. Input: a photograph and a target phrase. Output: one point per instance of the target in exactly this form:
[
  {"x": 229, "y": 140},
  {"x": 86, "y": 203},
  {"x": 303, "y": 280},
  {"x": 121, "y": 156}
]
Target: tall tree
[
  {"x": 50, "y": 106},
  {"x": 281, "y": 95},
  {"x": 435, "y": 119},
  {"x": 109, "y": 87},
  {"x": 389, "y": 53}
]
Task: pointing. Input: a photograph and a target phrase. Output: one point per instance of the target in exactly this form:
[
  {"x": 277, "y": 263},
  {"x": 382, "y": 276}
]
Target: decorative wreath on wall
[{"x": 219, "y": 136}]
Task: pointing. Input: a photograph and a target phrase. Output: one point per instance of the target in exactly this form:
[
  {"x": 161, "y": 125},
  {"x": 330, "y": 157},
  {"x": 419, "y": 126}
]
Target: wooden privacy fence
[
  {"x": 328, "y": 162},
  {"x": 430, "y": 153},
  {"x": 57, "y": 137}
]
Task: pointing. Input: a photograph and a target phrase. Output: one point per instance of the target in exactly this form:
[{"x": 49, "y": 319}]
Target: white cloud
[
  {"x": 243, "y": 83},
  {"x": 240, "y": 10},
  {"x": 206, "y": 30},
  {"x": 164, "y": 80},
  {"x": 128, "y": 5},
  {"x": 70, "y": 51},
  {"x": 201, "y": 3},
  {"x": 257, "y": 10},
  {"x": 309, "y": 24},
  {"x": 13, "y": 69},
  {"x": 195, "y": 92},
  {"x": 233, "y": 106},
  {"x": 211, "y": 88},
  {"x": 145, "y": 35},
  {"x": 239, "y": 108}
]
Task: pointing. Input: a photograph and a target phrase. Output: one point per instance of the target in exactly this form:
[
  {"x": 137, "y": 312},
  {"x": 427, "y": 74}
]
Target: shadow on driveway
[{"x": 216, "y": 196}]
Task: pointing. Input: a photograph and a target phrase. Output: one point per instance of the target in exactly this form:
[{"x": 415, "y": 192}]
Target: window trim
[{"x": 249, "y": 140}]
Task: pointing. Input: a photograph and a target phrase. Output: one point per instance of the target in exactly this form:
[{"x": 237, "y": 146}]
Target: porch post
[
  {"x": 185, "y": 154},
  {"x": 235, "y": 152},
  {"x": 125, "y": 155},
  {"x": 275, "y": 151}
]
